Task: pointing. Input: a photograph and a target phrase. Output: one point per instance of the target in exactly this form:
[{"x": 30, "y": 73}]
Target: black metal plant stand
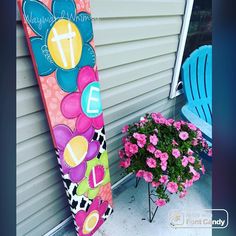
[{"x": 150, "y": 199}]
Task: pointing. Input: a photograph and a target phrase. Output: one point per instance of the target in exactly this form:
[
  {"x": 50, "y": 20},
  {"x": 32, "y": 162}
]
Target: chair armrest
[{"x": 198, "y": 122}]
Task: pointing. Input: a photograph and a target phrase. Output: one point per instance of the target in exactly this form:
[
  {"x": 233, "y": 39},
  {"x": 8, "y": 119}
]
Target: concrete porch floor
[{"x": 130, "y": 217}]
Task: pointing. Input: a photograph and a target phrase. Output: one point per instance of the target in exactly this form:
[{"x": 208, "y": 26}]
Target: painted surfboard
[{"x": 60, "y": 39}]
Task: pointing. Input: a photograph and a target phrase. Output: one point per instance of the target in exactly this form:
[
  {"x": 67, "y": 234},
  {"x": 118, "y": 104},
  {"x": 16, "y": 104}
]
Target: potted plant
[{"x": 165, "y": 153}]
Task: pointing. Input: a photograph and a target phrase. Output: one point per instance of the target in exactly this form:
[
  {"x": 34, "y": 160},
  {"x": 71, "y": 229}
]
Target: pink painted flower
[
  {"x": 125, "y": 129},
  {"x": 164, "y": 157},
  {"x": 183, "y": 135},
  {"x": 148, "y": 176},
  {"x": 172, "y": 187},
  {"x": 174, "y": 143},
  {"x": 183, "y": 193},
  {"x": 157, "y": 153},
  {"x": 125, "y": 164},
  {"x": 84, "y": 105},
  {"x": 210, "y": 152},
  {"x": 155, "y": 184},
  {"x": 133, "y": 148},
  {"x": 140, "y": 173},
  {"x": 185, "y": 161},
  {"x": 192, "y": 126},
  {"x": 151, "y": 162},
  {"x": 163, "y": 179},
  {"x": 121, "y": 154},
  {"x": 191, "y": 159},
  {"x": 89, "y": 221},
  {"x": 176, "y": 152},
  {"x": 153, "y": 139},
  {"x": 151, "y": 148},
  {"x": 74, "y": 162},
  {"x": 160, "y": 202}
]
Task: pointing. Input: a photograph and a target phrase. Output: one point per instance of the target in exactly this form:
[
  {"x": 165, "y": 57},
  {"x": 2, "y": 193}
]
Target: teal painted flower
[{"x": 62, "y": 41}]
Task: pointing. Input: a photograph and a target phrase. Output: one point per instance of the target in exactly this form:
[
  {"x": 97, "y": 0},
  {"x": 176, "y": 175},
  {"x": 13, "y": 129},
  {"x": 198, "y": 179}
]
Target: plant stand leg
[{"x": 151, "y": 214}]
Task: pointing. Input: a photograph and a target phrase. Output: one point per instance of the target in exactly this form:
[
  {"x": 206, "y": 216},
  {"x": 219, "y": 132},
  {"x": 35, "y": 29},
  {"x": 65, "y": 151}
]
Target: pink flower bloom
[
  {"x": 192, "y": 127},
  {"x": 163, "y": 179},
  {"x": 195, "y": 142},
  {"x": 151, "y": 148},
  {"x": 164, "y": 165},
  {"x": 157, "y": 153},
  {"x": 125, "y": 164},
  {"x": 175, "y": 152},
  {"x": 199, "y": 134},
  {"x": 140, "y": 137},
  {"x": 153, "y": 139},
  {"x": 141, "y": 144},
  {"x": 125, "y": 129},
  {"x": 127, "y": 149},
  {"x": 121, "y": 154},
  {"x": 196, "y": 176},
  {"x": 183, "y": 193},
  {"x": 172, "y": 187},
  {"x": 124, "y": 140},
  {"x": 160, "y": 202},
  {"x": 185, "y": 161},
  {"x": 155, "y": 184},
  {"x": 177, "y": 125},
  {"x": 133, "y": 148},
  {"x": 188, "y": 183},
  {"x": 148, "y": 176},
  {"x": 182, "y": 122},
  {"x": 210, "y": 152},
  {"x": 203, "y": 169},
  {"x": 192, "y": 170},
  {"x": 140, "y": 173},
  {"x": 151, "y": 162},
  {"x": 190, "y": 152},
  {"x": 191, "y": 159},
  {"x": 183, "y": 135},
  {"x": 174, "y": 143},
  {"x": 164, "y": 157}
]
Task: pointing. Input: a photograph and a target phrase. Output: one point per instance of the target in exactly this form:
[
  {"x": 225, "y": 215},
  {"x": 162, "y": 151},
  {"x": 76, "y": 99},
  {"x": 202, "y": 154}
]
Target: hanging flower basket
[{"x": 165, "y": 153}]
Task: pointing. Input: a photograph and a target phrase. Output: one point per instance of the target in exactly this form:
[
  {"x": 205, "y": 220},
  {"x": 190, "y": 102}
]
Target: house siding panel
[{"x": 136, "y": 49}]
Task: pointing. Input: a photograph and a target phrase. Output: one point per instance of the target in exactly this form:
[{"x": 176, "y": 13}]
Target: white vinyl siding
[{"x": 136, "y": 43}]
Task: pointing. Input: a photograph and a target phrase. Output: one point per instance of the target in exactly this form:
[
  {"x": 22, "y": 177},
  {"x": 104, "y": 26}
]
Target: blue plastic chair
[{"x": 197, "y": 83}]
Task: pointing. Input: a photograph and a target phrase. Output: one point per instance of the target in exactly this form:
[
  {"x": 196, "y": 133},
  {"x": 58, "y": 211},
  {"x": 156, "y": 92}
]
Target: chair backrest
[{"x": 197, "y": 81}]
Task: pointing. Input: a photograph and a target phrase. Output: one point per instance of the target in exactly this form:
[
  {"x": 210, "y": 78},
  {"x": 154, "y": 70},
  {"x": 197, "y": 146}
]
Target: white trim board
[{"x": 181, "y": 47}]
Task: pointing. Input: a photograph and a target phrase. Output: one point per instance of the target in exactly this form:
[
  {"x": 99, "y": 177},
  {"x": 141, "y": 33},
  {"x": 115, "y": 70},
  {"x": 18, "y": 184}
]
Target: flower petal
[
  {"x": 64, "y": 8},
  {"x": 98, "y": 122},
  {"x": 62, "y": 135},
  {"x": 94, "y": 205},
  {"x": 84, "y": 23},
  {"x": 86, "y": 76},
  {"x": 37, "y": 16},
  {"x": 80, "y": 217},
  {"x": 70, "y": 105},
  {"x": 88, "y": 57},
  {"x": 83, "y": 123},
  {"x": 77, "y": 173},
  {"x": 67, "y": 79},
  {"x": 89, "y": 133},
  {"x": 92, "y": 150},
  {"x": 103, "y": 208},
  {"x": 44, "y": 62}
]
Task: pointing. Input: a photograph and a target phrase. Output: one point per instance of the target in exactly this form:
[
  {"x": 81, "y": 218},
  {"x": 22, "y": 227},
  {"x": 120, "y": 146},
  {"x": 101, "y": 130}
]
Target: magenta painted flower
[
  {"x": 151, "y": 162},
  {"x": 176, "y": 152},
  {"x": 153, "y": 139},
  {"x": 140, "y": 173},
  {"x": 172, "y": 187},
  {"x": 85, "y": 105},
  {"x": 183, "y": 135},
  {"x": 148, "y": 176},
  {"x": 75, "y": 150},
  {"x": 89, "y": 222},
  {"x": 160, "y": 202}
]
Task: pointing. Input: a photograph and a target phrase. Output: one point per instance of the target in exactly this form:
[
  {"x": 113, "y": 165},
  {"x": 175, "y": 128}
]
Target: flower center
[
  {"x": 75, "y": 151},
  {"x": 96, "y": 176},
  {"x": 91, "y": 100},
  {"x": 90, "y": 222},
  {"x": 65, "y": 44}
]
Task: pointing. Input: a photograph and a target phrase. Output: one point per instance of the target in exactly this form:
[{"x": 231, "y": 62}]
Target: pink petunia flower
[
  {"x": 153, "y": 139},
  {"x": 192, "y": 126},
  {"x": 140, "y": 173},
  {"x": 125, "y": 164},
  {"x": 151, "y": 148},
  {"x": 177, "y": 125},
  {"x": 151, "y": 162},
  {"x": 164, "y": 165},
  {"x": 125, "y": 129},
  {"x": 190, "y": 152},
  {"x": 148, "y": 176},
  {"x": 199, "y": 134},
  {"x": 183, "y": 193},
  {"x": 163, "y": 179},
  {"x": 191, "y": 159},
  {"x": 210, "y": 152},
  {"x": 196, "y": 177},
  {"x": 172, "y": 187},
  {"x": 184, "y": 135},
  {"x": 188, "y": 183},
  {"x": 164, "y": 157},
  {"x": 203, "y": 169},
  {"x": 160, "y": 202},
  {"x": 176, "y": 152},
  {"x": 155, "y": 184},
  {"x": 174, "y": 143},
  {"x": 121, "y": 154},
  {"x": 133, "y": 148},
  {"x": 195, "y": 142},
  {"x": 78, "y": 104},
  {"x": 157, "y": 153},
  {"x": 185, "y": 161}
]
